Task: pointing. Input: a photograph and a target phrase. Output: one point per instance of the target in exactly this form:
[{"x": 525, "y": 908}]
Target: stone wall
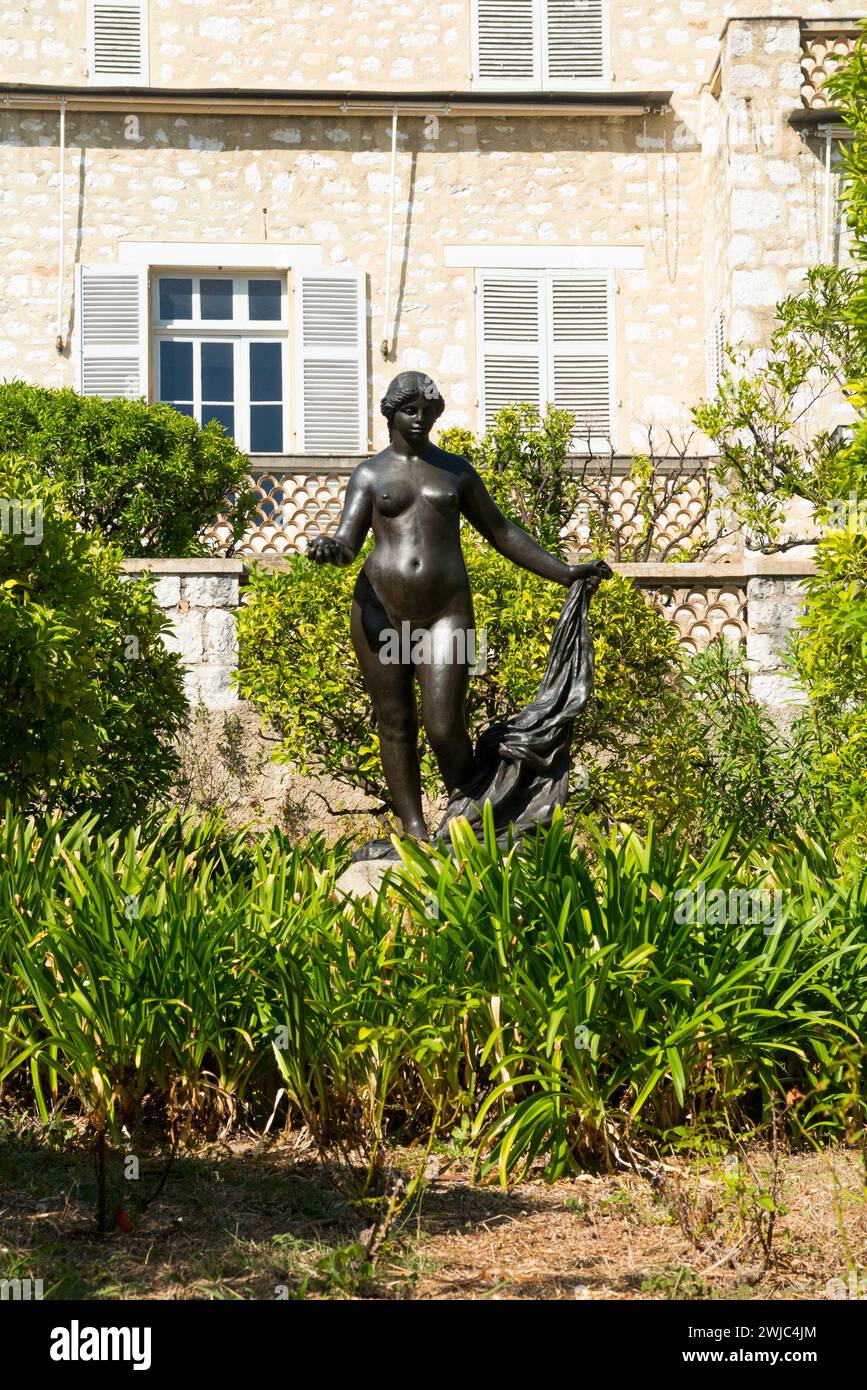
[
  {"x": 774, "y": 604},
  {"x": 519, "y": 181},
  {"x": 359, "y": 44},
  {"x": 768, "y": 177},
  {"x": 200, "y": 599},
  {"x": 718, "y": 198}
]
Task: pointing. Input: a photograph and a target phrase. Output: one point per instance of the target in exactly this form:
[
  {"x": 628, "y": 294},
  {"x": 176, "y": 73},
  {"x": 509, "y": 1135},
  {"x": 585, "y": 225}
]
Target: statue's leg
[
  {"x": 393, "y": 695},
  {"x": 443, "y": 682}
]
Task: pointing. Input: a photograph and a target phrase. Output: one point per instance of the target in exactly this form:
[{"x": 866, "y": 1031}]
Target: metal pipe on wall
[
  {"x": 62, "y": 251},
  {"x": 386, "y": 320}
]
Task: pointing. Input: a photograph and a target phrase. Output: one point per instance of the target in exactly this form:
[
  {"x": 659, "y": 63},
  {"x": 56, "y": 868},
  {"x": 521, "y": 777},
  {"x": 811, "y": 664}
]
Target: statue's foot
[
  {"x": 384, "y": 849},
  {"x": 375, "y": 849}
]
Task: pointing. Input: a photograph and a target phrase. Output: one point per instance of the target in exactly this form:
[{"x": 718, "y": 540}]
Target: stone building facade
[{"x": 249, "y": 207}]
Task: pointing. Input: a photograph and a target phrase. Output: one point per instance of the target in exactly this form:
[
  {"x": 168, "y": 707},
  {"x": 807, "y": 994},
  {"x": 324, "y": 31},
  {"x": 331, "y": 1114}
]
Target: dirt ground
[{"x": 242, "y": 1222}]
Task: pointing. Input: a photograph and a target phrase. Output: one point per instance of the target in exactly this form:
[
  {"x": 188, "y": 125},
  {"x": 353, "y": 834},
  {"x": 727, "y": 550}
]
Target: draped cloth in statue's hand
[{"x": 522, "y": 763}]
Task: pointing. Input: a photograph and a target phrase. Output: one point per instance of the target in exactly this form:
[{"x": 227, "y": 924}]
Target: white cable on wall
[
  {"x": 386, "y": 321},
  {"x": 62, "y": 251}
]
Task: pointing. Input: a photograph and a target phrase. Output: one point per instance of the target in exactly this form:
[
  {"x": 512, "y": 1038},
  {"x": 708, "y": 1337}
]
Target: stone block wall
[
  {"x": 774, "y": 605},
  {"x": 200, "y": 598},
  {"x": 714, "y": 200},
  {"x": 607, "y": 184},
  {"x": 359, "y": 44}
]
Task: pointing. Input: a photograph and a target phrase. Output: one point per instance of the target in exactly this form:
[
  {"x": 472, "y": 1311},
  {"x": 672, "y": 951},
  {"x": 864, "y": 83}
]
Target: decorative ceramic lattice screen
[
  {"x": 680, "y": 521},
  {"x": 293, "y": 508},
  {"x": 296, "y": 506},
  {"x": 821, "y": 51},
  {"x": 702, "y": 612}
]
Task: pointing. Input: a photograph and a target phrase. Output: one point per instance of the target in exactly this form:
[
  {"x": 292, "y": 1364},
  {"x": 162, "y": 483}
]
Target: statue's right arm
[{"x": 344, "y": 545}]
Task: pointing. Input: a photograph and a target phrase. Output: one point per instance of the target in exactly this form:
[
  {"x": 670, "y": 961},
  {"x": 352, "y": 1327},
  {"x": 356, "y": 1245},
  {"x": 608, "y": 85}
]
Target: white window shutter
[
  {"x": 511, "y": 341},
  {"x": 111, "y": 330},
  {"x": 842, "y": 249},
  {"x": 581, "y": 353},
  {"x": 118, "y": 42},
  {"x": 331, "y": 358},
  {"x": 506, "y": 44},
  {"x": 577, "y": 44}
]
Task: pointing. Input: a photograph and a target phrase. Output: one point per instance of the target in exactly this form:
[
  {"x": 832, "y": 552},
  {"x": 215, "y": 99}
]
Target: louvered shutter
[
  {"x": 841, "y": 252},
  {"x": 331, "y": 336},
  {"x": 507, "y": 43},
  {"x": 118, "y": 42},
  {"x": 581, "y": 372},
  {"x": 512, "y": 341},
  {"x": 111, "y": 319},
  {"x": 576, "y": 43}
]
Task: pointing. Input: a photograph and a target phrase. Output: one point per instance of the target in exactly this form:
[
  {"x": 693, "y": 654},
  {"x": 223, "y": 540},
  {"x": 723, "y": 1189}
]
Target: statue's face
[{"x": 416, "y": 419}]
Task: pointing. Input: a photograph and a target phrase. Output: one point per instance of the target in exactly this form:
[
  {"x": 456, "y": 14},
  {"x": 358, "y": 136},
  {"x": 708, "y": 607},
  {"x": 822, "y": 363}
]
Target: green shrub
[
  {"x": 755, "y": 775},
  {"x": 765, "y": 412},
  {"x": 570, "y": 1004},
  {"x": 296, "y": 665},
  {"x": 91, "y": 698},
  {"x": 620, "y": 1001},
  {"x": 830, "y": 659},
  {"x": 523, "y": 461},
  {"x": 144, "y": 475}
]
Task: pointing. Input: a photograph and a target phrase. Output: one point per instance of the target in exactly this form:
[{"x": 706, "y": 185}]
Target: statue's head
[{"x": 416, "y": 396}]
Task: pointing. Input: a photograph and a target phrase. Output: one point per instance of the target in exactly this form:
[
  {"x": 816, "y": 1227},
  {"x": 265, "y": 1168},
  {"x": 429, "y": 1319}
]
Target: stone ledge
[
  {"x": 717, "y": 571},
  {"x": 850, "y": 26},
  {"x": 664, "y": 572},
  {"x": 207, "y": 565}
]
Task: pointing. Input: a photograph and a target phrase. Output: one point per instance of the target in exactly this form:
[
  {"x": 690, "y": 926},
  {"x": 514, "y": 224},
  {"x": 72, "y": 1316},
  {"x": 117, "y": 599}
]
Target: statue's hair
[{"x": 404, "y": 388}]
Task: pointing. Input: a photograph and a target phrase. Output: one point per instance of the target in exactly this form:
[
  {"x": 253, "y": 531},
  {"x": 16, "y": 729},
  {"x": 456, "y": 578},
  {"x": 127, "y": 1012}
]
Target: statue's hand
[
  {"x": 595, "y": 571},
  {"x": 325, "y": 550}
]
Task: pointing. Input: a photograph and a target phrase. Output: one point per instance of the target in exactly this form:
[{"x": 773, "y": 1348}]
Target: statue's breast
[
  {"x": 392, "y": 498},
  {"x": 442, "y": 495}
]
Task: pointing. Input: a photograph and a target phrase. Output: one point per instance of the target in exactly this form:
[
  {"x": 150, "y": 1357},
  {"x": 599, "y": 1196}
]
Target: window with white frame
[
  {"x": 221, "y": 353},
  {"x": 548, "y": 336},
  {"x": 117, "y": 42},
  {"x": 548, "y": 45}
]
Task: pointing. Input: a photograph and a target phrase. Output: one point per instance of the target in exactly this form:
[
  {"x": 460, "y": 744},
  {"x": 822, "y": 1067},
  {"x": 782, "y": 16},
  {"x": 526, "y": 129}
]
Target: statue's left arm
[
  {"x": 344, "y": 545},
  {"x": 514, "y": 542}
]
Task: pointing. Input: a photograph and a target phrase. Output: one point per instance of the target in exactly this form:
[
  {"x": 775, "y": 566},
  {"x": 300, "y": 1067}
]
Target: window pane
[
  {"x": 218, "y": 375},
  {"x": 182, "y": 407},
  {"x": 266, "y": 371},
  {"x": 176, "y": 299},
  {"x": 266, "y": 429},
  {"x": 176, "y": 371},
  {"x": 265, "y": 300},
  {"x": 216, "y": 297},
  {"x": 223, "y": 414}
]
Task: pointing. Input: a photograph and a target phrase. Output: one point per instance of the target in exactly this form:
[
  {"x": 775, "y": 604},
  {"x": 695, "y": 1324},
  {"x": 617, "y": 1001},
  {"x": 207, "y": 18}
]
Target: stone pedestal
[{"x": 364, "y": 879}]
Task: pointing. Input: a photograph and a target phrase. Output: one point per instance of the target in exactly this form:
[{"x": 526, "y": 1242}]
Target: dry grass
[{"x": 237, "y": 1221}]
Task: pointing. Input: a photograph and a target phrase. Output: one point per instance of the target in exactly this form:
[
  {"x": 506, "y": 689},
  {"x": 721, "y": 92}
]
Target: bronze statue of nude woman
[{"x": 413, "y": 494}]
